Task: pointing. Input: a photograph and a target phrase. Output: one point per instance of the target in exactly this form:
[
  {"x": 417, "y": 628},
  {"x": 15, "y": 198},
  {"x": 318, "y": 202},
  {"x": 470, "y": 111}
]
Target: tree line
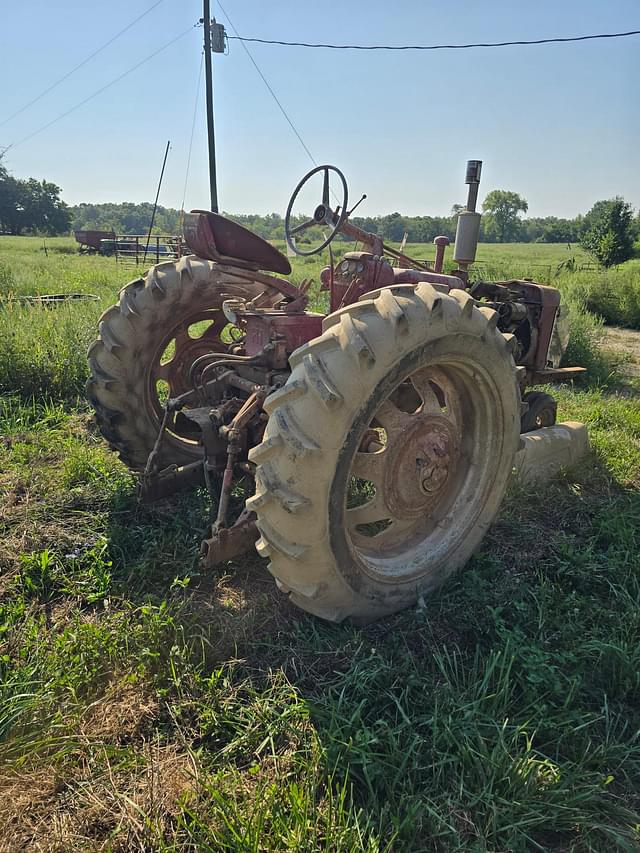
[
  {"x": 126, "y": 217},
  {"x": 608, "y": 230},
  {"x": 422, "y": 229}
]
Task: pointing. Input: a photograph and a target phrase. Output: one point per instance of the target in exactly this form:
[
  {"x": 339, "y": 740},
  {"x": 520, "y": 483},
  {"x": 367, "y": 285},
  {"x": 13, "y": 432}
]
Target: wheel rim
[
  {"x": 420, "y": 475},
  {"x": 169, "y": 372}
]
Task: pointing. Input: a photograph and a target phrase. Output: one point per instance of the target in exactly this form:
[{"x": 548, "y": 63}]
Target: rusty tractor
[{"x": 365, "y": 452}]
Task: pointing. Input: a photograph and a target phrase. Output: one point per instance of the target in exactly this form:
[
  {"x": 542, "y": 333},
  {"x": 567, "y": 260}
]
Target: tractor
[{"x": 364, "y": 452}]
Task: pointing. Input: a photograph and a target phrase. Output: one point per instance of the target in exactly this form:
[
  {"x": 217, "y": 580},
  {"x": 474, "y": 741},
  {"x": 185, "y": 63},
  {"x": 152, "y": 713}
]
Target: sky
[{"x": 559, "y": 124}]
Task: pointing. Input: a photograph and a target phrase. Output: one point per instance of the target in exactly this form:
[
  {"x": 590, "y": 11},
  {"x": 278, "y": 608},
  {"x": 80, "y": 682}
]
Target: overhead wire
[
  {"x": 80, "y": 64},
  {"x": 472, "y": 45},
  {"x": 266, "y": 83},
  {"x": 243, "y": 41},
  {"x": 99, "y": 91},
  {"x": 193, "y": 127}
]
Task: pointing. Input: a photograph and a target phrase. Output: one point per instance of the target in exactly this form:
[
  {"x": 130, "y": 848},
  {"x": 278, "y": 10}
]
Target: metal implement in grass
[
  {"x": 51, "y": 300},
  {"x": 365, "y": 452},
  {"x": 139, "y": 249}
]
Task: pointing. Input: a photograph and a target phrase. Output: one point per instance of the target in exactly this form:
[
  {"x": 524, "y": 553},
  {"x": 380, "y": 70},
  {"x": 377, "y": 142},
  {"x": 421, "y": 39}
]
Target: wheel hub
[
  {"x": 180, "y": 365},
  {"x": 420, "y": 466}
]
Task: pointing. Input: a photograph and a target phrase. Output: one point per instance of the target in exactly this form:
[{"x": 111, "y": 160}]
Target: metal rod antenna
[
  {"x": 213, "y": 185},
  {"x": 155, "y": 204}
]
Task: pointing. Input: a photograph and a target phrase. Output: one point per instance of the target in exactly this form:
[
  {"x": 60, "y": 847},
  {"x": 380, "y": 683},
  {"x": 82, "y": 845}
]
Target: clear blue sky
[{"x": 559, "y": 124}]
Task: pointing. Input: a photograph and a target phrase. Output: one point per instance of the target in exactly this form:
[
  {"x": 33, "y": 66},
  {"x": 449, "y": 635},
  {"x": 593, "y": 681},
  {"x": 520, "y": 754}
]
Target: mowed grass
[{"x": 145, "y": 705}]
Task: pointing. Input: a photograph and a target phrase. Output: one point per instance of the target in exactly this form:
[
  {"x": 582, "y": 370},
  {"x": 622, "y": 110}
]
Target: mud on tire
[
  {"x": 133, "y": 335},
  {"x": 351, "y": 387}
]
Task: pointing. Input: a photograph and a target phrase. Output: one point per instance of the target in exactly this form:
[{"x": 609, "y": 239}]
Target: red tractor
[{"x": 365, "y": 452}]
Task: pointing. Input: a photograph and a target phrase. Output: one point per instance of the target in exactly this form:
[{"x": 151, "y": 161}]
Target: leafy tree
[
  {"x": 608, "y": 231},
  {"x": 550, "y": 229},
  {"x": 31, "y": 205},
  {"x": 125, "y": 218},
  {"x": 9, "y": 200},
  {"x": 503, "y": 208},
  {"x": 43, "y": 209}
]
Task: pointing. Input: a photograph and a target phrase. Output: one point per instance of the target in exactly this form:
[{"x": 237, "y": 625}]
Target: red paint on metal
[
  {"x": 441, "y": 244},
  {"x": 264, "y": 327},
  {"x": 546, "y": 300},
  {"x": 92, "y": 239},
  {"x": 216, "y": 238}
]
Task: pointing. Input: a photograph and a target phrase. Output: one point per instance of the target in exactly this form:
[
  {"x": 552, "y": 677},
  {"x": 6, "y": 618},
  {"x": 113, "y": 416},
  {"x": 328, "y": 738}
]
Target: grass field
[
  {"x": 146, "y": 706},
  {"x": 41, "y": 357}
]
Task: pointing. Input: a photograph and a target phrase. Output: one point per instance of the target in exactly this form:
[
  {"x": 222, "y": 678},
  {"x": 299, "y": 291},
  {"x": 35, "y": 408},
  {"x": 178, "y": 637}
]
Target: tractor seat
[{"x": 217, "y": 238}]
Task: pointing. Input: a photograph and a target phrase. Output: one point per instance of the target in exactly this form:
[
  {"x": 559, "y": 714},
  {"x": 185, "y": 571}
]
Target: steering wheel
[{"x": 323, "y": 214}]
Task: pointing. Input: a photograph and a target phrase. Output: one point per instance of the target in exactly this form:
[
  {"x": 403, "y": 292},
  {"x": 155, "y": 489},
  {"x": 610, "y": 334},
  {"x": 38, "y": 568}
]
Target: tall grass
[
  {"x": 43, "y": 350},
  {"x": 613, "y": 295},
  {"x": 585, "y": 346}
]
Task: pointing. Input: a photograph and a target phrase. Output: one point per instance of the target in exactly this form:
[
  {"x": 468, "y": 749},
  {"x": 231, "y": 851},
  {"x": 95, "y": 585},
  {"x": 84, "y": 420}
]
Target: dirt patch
[
  {"x": 96, "y": 803},
  {"x": 125, "y": 712},
  {"x": 239, "y": 606},
  {"x": 626, "y": 343}
]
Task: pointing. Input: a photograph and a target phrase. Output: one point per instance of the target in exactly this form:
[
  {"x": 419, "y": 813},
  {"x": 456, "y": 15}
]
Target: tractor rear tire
[
  {"x": 387, "y": 452},
  {"x": 125, "y": 362}
]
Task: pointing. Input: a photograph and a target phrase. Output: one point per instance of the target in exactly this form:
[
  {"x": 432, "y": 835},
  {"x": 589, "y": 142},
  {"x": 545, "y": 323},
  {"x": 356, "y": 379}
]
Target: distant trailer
[{"x": 90, "y": 240}]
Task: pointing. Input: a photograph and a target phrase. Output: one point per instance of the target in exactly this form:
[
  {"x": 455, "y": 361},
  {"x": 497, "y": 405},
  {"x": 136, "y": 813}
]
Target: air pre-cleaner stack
[{"x": 468, "y": 228}]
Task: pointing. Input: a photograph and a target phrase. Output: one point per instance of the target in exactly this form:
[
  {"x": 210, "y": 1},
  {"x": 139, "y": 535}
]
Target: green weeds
[
  {"x": 174, "y": 711},
  {"x": 43, "y": 350},
  {"x": 147, "y": 706},
  {"x": 613, "y": 295},
  {"x": 585, "y": 348}
]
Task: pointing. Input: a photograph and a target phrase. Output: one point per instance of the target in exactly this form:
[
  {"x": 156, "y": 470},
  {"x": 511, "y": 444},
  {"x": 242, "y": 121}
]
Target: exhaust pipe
[{"x": 468, "y": 228}]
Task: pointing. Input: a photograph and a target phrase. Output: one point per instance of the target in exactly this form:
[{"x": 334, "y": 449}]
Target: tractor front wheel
[
  {"x": 541, "y": 412},
  {"x": 387, "y": 453}
]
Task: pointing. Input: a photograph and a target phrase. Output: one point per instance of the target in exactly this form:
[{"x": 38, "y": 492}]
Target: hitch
[
  {"x": 235, "y": 435},
  {"x": 225, "y": 542},
  {"x": 229, "y": 542}
]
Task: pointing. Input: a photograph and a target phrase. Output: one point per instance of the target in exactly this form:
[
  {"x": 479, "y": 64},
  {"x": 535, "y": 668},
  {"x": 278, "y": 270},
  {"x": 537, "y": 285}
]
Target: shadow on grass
[{"x": 502, "y": 715}]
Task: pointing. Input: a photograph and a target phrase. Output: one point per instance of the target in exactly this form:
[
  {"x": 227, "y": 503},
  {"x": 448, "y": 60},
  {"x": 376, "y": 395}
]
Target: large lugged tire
[
  {"x": 126, "y": 361},
  {"x": 387, "y": 452}
]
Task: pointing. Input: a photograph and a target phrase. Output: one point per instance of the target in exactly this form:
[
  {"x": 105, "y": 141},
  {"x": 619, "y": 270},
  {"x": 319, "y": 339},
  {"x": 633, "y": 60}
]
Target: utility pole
[{"x": 211, "y": 28}]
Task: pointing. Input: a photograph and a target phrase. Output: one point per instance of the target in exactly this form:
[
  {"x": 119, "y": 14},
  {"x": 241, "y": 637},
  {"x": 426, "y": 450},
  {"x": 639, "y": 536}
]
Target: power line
[
  {"x": 555, "y": 40},
  {"x": 84, "y": 62},
  {"x": 99, "y": 91},
  {"x": 193, "y": 127},
  {"x": 266, "y": 83}
]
